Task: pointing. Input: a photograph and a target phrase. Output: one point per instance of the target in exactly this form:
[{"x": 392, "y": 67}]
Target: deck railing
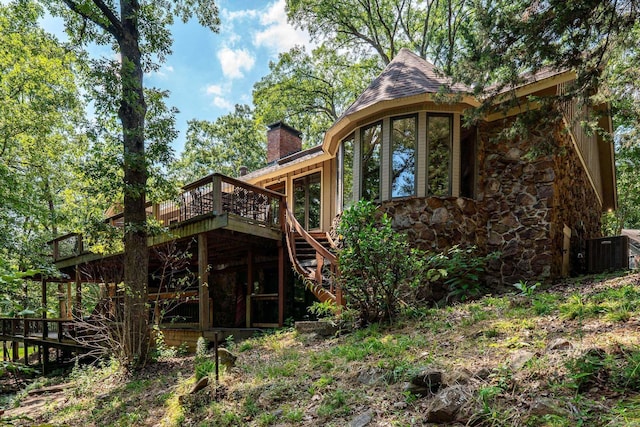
[
  {"x": 213, "y": 195},
  {"x": 30, "y": 327}
]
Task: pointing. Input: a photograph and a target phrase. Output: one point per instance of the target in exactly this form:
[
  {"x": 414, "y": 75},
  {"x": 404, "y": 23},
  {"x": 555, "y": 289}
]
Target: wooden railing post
[{"x": 217, "y": 194}]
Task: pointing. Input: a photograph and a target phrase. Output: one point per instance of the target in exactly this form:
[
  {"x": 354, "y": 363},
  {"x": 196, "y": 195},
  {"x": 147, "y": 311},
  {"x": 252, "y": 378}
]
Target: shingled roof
[{"x": 406, "y": 75}]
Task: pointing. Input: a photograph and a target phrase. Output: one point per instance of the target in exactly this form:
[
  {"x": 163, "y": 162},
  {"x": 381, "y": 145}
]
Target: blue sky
[{"x": 209, "y": 73}]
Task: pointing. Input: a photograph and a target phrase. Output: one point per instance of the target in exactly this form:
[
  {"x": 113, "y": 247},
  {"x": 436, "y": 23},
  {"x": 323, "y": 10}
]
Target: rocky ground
[{"x": 563, "y": 356}]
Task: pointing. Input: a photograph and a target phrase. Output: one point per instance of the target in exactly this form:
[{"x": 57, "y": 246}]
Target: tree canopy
[{"x": 41, "y": 134}]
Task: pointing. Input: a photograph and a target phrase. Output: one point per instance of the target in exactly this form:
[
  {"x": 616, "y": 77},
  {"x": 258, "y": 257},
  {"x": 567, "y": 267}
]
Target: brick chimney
[{"x": 282, "y": 140}]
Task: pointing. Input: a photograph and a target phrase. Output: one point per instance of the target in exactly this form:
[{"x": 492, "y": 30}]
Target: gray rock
[
  {"x": 446, "y": 405},
  {"x": 461, "y": 376},
  {"x": 520, "y": 358},
  {"x": 428, "y": 378},
  {"x": 559, "y": 344},
  {"x": 226, "y": 358},
  {"x": 204, "y": 381},
  {"x": 372, "y": 376},
  {"x": 545, "y": 406},
  {"x": 362, "y": 419},
  {"x": 321, "y": 328}
]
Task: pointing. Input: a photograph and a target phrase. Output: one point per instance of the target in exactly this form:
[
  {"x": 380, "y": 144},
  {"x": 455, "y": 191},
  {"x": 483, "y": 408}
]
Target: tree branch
[{"x": 114, "y": 26}]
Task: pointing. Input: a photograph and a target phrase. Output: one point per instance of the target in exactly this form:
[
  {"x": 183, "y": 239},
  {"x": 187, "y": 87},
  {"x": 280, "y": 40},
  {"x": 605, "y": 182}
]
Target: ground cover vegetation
[{"x": 560, "y": 355}]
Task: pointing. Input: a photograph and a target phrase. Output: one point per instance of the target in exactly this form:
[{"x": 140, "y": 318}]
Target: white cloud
[
  {"x": 213, "y": 90},
  {"x": 237, "y": 15},
  {"x": 223, "y": 103},
  {"x": 234, "y": 62},
  {"x": 279, "y": 35}
]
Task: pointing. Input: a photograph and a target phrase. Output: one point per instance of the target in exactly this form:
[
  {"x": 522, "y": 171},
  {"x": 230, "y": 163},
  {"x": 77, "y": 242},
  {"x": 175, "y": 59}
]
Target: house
[{"x": 535, "y": 199}]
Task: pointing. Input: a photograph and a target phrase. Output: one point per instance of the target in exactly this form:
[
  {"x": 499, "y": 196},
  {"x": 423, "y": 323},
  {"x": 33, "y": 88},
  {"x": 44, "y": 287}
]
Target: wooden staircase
[{"x": 312, "y": 258}]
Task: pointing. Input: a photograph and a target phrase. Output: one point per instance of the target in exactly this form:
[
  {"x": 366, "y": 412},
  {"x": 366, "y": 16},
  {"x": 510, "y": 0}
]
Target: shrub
[
  {"x": 464, "y": 271},
  {"x": 375, "y": 263}
]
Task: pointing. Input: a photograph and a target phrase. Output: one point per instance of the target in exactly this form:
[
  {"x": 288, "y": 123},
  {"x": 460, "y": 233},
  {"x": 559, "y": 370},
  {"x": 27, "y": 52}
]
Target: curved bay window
[{"x": 401, "y": 156}]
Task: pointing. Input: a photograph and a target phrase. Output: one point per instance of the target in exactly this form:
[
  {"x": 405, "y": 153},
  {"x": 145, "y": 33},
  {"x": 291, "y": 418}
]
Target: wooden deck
[{"x": 213, "y": 203}]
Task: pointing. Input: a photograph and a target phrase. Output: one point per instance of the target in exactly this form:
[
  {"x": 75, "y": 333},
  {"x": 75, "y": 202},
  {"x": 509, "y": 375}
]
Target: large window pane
[
  {"x": 403, "y": 157},
  {"x": 371, "y": 140},
  {"x": 306, "y": 200},
  {"x": 439, "y": 158},
  {"x": 347, "y": 172}
]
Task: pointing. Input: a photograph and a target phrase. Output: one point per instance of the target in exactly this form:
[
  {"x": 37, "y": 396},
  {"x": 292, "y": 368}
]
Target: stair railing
[{"x": 314, "y": 280}]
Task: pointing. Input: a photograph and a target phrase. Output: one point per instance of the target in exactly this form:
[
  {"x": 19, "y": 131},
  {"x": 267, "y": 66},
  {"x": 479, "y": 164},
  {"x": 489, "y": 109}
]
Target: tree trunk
[{"x": 132, "y": 114}]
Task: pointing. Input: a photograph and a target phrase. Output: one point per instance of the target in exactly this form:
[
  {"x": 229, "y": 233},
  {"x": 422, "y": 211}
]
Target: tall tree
[
  {"x": 139, "y": 33},
  {"x": 41, "y": 122},
  {"x": 223, "y": 146},
  {"x": 431, "y": 28}
]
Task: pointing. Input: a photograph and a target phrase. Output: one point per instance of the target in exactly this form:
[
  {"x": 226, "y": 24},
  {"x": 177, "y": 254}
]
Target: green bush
[
  {"x": 204, "y": 367},
  {"x": 375, "y": 263},
  {"x": 464, "y": 271}
]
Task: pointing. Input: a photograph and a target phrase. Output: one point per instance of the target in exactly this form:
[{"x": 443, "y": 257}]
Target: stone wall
[
  {"x": 577, "y": 206},
  {"x": 437, "y": 223},
  {"x": 516, "y": 191},
  {"x": 528, "y": 189}
]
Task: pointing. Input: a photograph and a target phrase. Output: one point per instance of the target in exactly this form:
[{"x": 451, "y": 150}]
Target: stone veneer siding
[{"x": 520, "y": 208}]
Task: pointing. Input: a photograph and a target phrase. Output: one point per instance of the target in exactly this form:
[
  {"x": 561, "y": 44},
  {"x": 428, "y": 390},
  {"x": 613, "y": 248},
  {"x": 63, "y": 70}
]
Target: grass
[{"x": 287, "y": 379}]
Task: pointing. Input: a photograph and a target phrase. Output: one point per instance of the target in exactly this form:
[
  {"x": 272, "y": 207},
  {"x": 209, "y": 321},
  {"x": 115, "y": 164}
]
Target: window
[
  {"x": 371, "y": 141},
  {"x": 403, "y": 156},
  {"x": 346, "y": 171},
  {"x": 306, "y": 200},
  {"x": 439, "y": 155}
]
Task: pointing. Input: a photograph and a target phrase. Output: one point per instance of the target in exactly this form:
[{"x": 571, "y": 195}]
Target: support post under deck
[
  {"x": 280, "y": 284},
  {"x": 203, "y": 288},
  {"x": 78, "y": 307},
  {"x": 249, "y": 287}
]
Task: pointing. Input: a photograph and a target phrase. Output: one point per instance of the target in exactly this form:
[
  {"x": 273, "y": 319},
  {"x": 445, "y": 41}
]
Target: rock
[
  {"x": 559, "y": 344},
  {"x": 520, "y": 358},
  {"x": 204, "y": 381},
  {"x": 440, "y": 216},
  {"x": 446, "y": 404},
  {"x": 277, "y": 413},
  {"x": 362, "y": 419},
  {"x": 322, "y": 328},
  {"x": 459, "y": 377},
  {"x": 372, "y": 376},
  {"x": 428, "y": 378},
  {"x": 545, "y": 406},
  {"x": 226, "y": 358}
]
